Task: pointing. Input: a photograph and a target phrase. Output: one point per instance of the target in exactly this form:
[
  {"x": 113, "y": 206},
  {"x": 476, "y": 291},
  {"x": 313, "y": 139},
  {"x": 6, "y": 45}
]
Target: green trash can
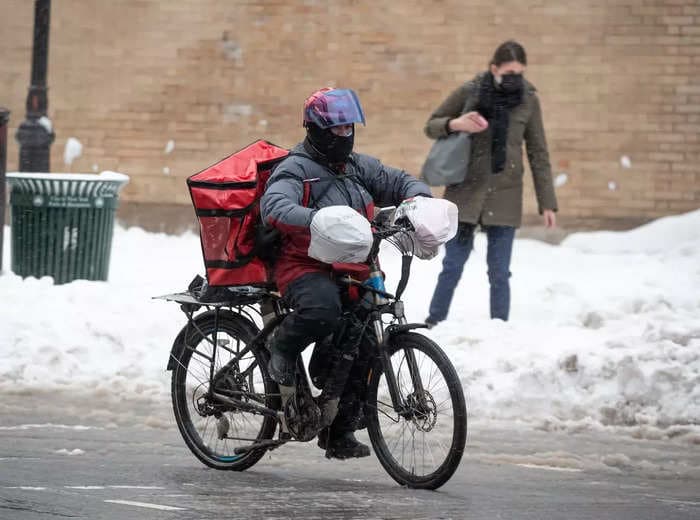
[{"x": 62, "y": 224}]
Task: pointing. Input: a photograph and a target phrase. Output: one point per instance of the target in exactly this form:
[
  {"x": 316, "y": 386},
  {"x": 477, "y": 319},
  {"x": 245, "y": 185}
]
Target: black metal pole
[
  {"x": 35, "y": 135},
  {"x": 4, "y": 118}
]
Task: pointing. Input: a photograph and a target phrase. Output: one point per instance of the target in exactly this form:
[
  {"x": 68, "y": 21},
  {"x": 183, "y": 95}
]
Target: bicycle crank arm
[
  {"x": 286, "y": 392},
  {"x": 258, "y": 445}
]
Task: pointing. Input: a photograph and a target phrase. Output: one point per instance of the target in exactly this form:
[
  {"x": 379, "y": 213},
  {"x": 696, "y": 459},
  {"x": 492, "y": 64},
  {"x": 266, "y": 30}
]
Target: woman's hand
[
  {"x": 550, "y": 218},
  {"x": 471, "y": 122}
]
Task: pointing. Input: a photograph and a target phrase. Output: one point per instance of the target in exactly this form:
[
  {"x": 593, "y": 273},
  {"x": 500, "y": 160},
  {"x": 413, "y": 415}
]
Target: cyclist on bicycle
[{"x": 321, "y": 172}]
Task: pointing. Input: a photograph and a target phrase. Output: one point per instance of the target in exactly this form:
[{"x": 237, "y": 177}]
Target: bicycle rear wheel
[
  {"x": 422, "y": 446},
  {"x": 240, "y": 372}
]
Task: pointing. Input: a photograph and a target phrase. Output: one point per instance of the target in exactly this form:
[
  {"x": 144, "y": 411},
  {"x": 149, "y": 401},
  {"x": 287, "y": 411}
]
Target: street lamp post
[
  {"x": 35, "y": 134},
  {"x": 4, "y": 118}
]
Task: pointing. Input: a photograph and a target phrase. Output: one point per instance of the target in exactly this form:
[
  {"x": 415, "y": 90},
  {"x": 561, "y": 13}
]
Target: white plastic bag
[
  {"x": 340, "y": 234},
  {"x": 434, "y": 221}
]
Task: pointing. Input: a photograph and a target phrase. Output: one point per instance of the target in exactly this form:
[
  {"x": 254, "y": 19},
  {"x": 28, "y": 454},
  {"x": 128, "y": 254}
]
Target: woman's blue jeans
[{"x": 457, "y": 250}]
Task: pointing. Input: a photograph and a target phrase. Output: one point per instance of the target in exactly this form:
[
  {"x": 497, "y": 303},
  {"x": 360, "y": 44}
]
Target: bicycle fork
[{"x": 383, "y": 337}]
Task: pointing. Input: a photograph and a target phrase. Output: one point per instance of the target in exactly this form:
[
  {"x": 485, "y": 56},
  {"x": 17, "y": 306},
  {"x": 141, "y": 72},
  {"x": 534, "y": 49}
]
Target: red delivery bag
[{"x": 226, "y": 199}]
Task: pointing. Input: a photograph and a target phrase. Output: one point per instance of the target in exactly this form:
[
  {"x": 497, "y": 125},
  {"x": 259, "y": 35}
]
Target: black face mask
[
  {"x": 512, "y": 83},
  {"x": 334, "y": 148}
]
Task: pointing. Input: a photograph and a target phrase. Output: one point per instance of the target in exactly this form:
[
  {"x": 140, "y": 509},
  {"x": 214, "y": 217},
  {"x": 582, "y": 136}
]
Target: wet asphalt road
[{"x": 132, "y": 464}]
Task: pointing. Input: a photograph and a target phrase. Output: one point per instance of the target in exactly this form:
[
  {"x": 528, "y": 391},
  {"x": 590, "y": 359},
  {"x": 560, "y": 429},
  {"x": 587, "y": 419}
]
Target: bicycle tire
[
  {"x": 379, "y": 406},
  {"x": 242, "y": 330}
]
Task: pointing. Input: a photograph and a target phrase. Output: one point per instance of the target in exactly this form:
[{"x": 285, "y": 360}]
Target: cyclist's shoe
[
  {"x": 282, "y": 364},
  {"x": 281, "y": 367},
  {"x": 342, "y": 446}
]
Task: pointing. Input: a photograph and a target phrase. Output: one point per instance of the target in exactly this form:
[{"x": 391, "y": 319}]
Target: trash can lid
[{"x": 104, "y": 176}]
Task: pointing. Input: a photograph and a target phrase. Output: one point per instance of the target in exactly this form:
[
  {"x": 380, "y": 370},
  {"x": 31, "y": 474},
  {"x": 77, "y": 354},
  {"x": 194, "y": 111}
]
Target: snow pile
[{"x": 604, "y": 330}]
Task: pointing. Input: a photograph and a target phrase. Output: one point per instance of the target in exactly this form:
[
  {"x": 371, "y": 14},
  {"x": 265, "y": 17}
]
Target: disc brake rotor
[{"x": 423, "y": 410}]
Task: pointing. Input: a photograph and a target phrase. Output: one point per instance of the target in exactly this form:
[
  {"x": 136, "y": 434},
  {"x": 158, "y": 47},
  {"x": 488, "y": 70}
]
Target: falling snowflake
[
  {"x": 170, "y": 146},
  {"x": 166, "y": 170},
  {"x": 72, "y": 151},
  {"x": 561, "y": 180},
  {"x": 625, "y": 162},
  {"x": 612, "y": 185}
]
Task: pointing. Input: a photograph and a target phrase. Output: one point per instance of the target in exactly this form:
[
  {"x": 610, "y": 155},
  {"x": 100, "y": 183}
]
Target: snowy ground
[{"x": 605, "y": 329}]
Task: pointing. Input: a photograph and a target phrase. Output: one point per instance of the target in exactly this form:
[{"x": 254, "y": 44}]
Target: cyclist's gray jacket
[{"x": 299, "y": 186}]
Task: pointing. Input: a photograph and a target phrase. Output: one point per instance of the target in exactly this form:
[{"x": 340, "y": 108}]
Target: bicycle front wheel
[{"x": 421, "y": 445}]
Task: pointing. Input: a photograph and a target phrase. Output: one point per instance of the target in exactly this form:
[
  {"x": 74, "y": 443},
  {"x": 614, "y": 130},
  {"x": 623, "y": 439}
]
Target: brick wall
[{"x": 616, "y": 79}]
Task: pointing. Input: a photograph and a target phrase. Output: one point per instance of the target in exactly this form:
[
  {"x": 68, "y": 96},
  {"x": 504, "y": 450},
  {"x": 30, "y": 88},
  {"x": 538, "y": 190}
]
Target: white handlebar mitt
[
  {"x": 340, "y": 234},
  {"x": 434, "y": 221}
]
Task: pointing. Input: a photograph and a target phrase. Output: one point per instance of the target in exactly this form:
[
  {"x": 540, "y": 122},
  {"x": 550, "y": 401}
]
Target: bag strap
[{"x": 335, "y": 177}]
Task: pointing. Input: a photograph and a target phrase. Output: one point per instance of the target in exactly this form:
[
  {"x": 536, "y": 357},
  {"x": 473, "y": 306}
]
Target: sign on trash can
[{"x": 62, "y": 224}]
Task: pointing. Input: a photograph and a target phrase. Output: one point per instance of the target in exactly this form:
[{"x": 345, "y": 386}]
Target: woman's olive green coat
[{"x": 497, "y": 199}]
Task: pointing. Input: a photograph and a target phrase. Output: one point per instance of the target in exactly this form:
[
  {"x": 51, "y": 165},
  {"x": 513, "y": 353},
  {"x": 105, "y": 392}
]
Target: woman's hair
[{"x": 507, "y": 52}]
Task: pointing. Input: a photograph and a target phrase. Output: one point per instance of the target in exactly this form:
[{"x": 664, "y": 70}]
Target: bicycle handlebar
[
  {"x": 383, "y": 230},
  {"x": 403, "y": 225}
]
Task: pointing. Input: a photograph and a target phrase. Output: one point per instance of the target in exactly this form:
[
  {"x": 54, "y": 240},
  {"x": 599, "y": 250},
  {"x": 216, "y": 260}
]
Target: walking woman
[{"x": 500, "y": 109}]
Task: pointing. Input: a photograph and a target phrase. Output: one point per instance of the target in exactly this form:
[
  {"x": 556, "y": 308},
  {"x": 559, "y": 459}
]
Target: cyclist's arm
[
  {"x": 281, "y": 204},
  {"x": 389, "y": 186}
]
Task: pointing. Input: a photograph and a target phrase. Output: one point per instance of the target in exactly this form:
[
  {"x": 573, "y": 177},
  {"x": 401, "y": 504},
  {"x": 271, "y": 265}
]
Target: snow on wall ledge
[{"x": 604, "y": 330}]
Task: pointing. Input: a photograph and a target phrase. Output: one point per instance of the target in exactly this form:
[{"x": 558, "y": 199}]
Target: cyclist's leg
[
  {"x": 339, "y": 440},
  {"x": 315, "y": 299}
]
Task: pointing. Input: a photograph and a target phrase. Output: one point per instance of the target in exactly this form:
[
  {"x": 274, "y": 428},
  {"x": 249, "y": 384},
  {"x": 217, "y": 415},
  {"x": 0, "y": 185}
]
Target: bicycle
[{"x": 230, "y": 412}]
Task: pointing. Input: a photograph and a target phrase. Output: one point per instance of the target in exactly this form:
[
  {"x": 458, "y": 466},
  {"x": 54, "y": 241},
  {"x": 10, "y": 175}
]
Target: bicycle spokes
[{"x": 419, "y": 437}]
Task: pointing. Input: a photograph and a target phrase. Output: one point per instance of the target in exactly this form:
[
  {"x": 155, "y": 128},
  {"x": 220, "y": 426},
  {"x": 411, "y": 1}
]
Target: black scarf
[{"x": 495, "y": 104}]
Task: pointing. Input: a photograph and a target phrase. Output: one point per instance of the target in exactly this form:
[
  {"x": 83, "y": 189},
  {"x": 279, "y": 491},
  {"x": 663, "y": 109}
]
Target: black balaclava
[{"x": 333, "y": 149}]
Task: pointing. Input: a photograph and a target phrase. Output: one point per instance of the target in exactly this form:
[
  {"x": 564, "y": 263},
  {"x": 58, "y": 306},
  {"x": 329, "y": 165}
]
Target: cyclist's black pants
[{"x": 315, "y": 298}]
